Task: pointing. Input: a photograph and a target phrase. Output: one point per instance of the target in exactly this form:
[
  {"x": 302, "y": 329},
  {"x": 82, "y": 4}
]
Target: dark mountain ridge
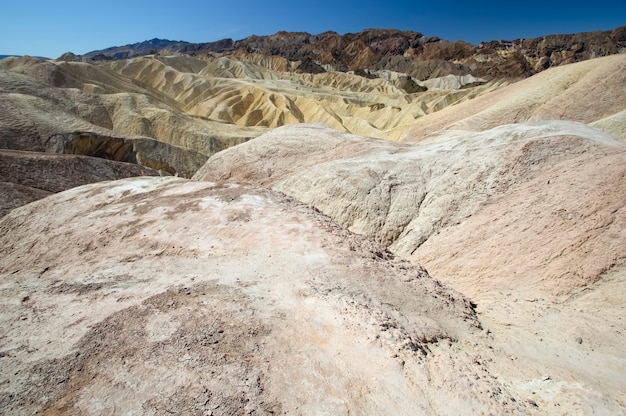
[
  {"x": 409, "y": 52},
  {"x": 154, "y": 46}
]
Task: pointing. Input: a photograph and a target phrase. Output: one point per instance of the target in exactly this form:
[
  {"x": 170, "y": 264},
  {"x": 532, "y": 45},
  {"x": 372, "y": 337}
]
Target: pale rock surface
[
  {"x": 161, "y": 295},
  {"x": 527, "y": 219},
  {"x": 402, "y": 195},
  {"x": 451, "y": 82}
]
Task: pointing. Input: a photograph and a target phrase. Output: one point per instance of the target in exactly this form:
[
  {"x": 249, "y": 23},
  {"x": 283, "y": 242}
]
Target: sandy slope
[
  {"x": 247, "y": 93},
  {"x": 589, "y": 92},
  {"x": 191, "y": 297},
  {"x": 207, "y": 105},
  {"x": 34, "y": 107}
]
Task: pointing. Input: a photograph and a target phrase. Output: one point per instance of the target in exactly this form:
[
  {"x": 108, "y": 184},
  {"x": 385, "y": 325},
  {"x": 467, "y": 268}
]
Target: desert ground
[{"x": 225, "y": 235}]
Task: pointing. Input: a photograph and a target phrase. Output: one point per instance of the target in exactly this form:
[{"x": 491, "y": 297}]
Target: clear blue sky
[{"x": 49, "y": 28}]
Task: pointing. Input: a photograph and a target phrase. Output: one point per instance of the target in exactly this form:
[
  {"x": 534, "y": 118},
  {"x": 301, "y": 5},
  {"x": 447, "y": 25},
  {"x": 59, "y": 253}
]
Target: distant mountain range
[
  {"x": 7, "y": 56},
  {"x": 408, "y": 52}
]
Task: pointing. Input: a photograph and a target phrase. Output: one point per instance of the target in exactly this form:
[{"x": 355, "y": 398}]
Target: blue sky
[{"x": 47, "y": 28}]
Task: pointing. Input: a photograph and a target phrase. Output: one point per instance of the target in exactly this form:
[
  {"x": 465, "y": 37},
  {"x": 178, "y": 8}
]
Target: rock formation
[
  {"x": 404, "y": 195},
  {"x": 204, "y": 105},
  {"x": 589, "y": 92},
  {"x": 180, "y": 296},
  {"x": 40, "y": 101},
  {"x": 527, "y": 219}
]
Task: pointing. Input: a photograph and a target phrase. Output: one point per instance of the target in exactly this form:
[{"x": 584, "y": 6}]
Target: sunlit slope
[
  {"x": 41, "y": 98},
  {"x": 406, "y": 195},
  {"x": 591, "y": 92},
  {"x": 220, "y": 297},
  {"x": 211, "y": 103},
  {"x": 246, "y": 93}
]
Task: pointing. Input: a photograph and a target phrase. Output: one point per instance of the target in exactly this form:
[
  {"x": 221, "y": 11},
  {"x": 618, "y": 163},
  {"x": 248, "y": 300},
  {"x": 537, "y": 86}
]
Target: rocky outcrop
[{"x": 148, "y": 47}]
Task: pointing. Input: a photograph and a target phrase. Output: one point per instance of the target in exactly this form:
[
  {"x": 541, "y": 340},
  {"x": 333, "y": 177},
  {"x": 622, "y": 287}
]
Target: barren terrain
[
  {"x": 194, "y": 297},
  {"x": 590, "y": 92},
  {"x": 526, "y": 219},
  {"x": 229, "y": 233},
  {"x": 208, "y": 104}
]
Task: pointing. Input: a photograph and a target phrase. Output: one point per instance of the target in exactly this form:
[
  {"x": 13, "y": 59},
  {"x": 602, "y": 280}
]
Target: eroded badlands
[{"x": 300, "y": 263}]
